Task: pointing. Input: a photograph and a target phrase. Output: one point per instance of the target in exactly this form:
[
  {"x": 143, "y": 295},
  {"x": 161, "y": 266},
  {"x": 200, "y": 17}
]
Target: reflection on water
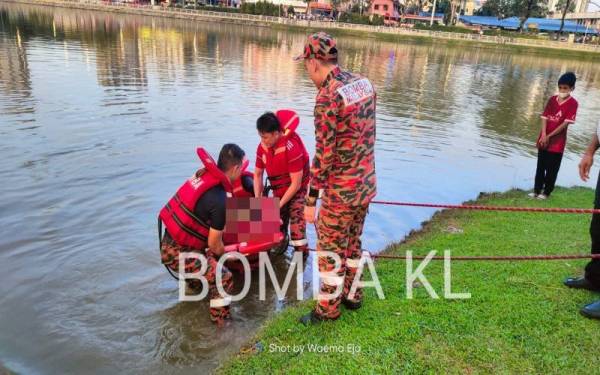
[{"x": 99, "y": 118}]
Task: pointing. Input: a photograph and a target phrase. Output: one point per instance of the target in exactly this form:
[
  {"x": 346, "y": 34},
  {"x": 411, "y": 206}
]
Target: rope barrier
[
  {"x": 485, "y": 257},
  {"x": 493, "y": 208},
  {"x": 497, "y": 258}
]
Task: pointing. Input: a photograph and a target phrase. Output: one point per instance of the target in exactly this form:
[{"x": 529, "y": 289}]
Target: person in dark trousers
[
  {"x": 591, "y": 278},
  {"x": 559, "y": 113}
]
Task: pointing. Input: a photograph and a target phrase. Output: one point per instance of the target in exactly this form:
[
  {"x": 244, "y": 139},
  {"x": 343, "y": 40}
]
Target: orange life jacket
[
  {"x": 238, "y": 186},
  {"x": 276, "y": 160},
  {"x": 178, "y": 216}
]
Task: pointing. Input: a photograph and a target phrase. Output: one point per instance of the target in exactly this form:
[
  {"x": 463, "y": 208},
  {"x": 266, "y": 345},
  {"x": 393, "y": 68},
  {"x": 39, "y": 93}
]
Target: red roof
[{"x": 315, "y": 5}]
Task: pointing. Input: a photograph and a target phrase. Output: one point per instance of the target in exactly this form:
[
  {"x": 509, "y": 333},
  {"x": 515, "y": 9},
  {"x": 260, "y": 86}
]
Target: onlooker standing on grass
[
  {"x": 591, "y": 278},
  {"x": 559, "y": 113}
]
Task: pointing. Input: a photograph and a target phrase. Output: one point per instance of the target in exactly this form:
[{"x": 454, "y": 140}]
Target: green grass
[
  {"x": 516, "y": 34},
  {"x": 520, "y": 318},
  {"x": 443, "y": 28}
]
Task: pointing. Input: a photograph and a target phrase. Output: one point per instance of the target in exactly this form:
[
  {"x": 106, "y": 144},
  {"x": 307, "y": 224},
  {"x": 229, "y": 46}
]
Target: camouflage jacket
[{"x": 344, "y": 161}]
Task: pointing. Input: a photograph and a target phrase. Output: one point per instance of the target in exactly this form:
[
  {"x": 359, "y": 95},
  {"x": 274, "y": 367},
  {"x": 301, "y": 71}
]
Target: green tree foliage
[
  {"x": 514, "y": 8},
  {"x": 362, "y": 20},
  {"x": 496, "y": 8},
  {"x": 564, "y": 6},
  {"x": 377, "y": 20},
  {"x": 528, "y": 8},
  {"x": 263, "y": 8},
  {"x": 568, "y": 5}
]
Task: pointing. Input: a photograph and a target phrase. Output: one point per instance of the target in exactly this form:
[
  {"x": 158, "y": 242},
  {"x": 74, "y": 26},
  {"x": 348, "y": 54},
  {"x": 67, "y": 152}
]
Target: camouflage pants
[
  {"x": 219, "y": 306},
  {"x": 339, "y": 229},
  {"x": 292, "y": 215}
]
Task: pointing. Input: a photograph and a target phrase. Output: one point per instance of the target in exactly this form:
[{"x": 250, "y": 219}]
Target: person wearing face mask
[
  {"x": 591, "y": 278},
  {"x": 559, "y": 113}
]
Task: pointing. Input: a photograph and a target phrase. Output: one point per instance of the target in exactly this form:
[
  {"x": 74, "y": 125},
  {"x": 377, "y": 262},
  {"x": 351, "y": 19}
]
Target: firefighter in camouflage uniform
[{"x": 342, "y": 172}]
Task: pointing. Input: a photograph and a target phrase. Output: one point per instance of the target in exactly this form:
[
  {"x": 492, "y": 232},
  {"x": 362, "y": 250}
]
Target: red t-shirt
[
  {"x": 297, "y": 156},
  {"x": 556, "y": 114}
]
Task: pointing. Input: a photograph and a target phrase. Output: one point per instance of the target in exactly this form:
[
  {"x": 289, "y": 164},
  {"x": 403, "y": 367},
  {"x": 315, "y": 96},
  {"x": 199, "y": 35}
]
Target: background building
[
  {"x": 388, "y": 9},
  {"x": 580, "y": 6},
  {"x": 299, "y": 5}
]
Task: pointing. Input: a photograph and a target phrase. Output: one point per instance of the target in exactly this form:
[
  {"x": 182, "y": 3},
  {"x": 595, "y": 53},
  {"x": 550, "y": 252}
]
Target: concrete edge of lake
[
  {"x": 520, "y": 45},
  {"x": 402, "y": 327}
]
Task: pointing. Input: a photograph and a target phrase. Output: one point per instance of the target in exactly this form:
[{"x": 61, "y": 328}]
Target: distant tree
[
  {"x": 335, "y": 3},
  {"x": 449, "y": 8},
  {"x": 564, "y": 6},
  {"x": 528, "y": 8},
  {"x": 291, "y": 10},
  {"x": 377, "y": 20},
  {"x": 441, "y": 6},
  {"x": 260, "y": 8},
  {"x": 454, "y": 5},
  {"x": 523, "y": 9},
  {"x": 414, "y": 6},
  {"x": 445, "y": 7},
  {"x": 249, "y": 8},
  {"x": 360, "y": 7},
  {"x": 307, "y": 6},
  {"x": 495, "y": 8}
]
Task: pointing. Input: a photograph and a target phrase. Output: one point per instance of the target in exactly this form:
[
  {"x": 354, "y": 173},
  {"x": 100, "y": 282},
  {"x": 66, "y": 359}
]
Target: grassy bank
[{"x": 520, "y": 318}]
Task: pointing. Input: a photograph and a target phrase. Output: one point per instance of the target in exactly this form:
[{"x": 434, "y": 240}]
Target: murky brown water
[{"x": 99, "y": 118}]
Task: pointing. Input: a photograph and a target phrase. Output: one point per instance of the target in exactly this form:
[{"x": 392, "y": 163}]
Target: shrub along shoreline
[{"x": 519, "y": 319}]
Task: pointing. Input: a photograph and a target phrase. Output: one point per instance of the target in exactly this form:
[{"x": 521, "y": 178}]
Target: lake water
[{"x": 100, "y": 115}]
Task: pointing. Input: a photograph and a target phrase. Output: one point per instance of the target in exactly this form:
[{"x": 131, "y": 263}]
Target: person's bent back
[{"x": 195, "y": 218}]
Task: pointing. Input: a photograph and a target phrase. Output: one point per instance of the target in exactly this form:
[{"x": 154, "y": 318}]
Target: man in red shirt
[
  {"x": 559, "y": 113},
  {"x": 282, "y": 154}
]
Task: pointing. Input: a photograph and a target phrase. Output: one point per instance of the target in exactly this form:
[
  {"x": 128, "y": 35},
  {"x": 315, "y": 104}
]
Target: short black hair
[
  {"x": 230, "y": 156},
  {"x": 568, "y": 79},
  {"x": 268, "y": 123}
]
